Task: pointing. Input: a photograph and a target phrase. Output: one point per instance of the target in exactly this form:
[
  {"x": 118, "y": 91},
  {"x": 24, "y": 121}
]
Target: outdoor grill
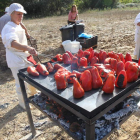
[
  {"x": 76, "y": 126},
  {"x": 86, "y": 113}
]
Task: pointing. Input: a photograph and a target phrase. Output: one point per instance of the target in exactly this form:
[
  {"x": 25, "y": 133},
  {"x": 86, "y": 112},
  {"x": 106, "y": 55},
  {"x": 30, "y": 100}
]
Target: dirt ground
[{"x": 115, "y": 30}]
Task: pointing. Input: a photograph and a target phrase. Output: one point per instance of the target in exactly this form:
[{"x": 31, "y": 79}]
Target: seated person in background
[{"x": 73, "y": 15}]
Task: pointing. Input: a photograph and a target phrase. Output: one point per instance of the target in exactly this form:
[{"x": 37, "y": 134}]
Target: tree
[{"x": 3, "y": 5}]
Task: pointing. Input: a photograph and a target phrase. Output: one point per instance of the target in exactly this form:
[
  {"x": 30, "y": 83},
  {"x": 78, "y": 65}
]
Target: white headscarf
[{"x": 16, "y": 7}]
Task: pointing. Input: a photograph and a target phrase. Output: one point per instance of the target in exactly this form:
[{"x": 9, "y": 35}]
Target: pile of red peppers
[{"x": 90, "y": 70}]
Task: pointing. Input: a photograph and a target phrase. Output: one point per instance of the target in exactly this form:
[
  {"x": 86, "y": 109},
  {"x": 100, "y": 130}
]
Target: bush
[
  {"x": 131, "y": 5},
  {"x": 126, "y": 1},
  {"x": 136, "y": 1},
  {"x": 120, "y": 5}
]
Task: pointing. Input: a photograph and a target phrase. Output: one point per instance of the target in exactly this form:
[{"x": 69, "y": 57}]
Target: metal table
[{"x": 89, "y": 108}]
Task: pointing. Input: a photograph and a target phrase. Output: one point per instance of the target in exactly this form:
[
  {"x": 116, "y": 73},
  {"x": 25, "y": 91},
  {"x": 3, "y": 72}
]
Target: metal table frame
[{"x": 90, "y": 123}]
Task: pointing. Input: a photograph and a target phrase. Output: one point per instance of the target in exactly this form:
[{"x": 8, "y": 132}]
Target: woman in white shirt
[
  {"x": 137, "y": 37},
  {"x": 15, "y": 42}
]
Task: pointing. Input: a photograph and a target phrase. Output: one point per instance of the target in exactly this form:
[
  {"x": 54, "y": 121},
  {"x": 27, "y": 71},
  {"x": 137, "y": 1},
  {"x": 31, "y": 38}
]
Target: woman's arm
[
  {"x": 137, "y": 19},
  {"x": 19, "y": 46},
  {"x": 23, "y": 26},
  {"x": 77, "y": 17},
  {"x": 72, "y": 20}
]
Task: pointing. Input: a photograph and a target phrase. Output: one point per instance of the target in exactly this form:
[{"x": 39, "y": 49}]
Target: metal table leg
[
  {"x": 22, "y": 85},
  {"x": 90, "y": 131}
]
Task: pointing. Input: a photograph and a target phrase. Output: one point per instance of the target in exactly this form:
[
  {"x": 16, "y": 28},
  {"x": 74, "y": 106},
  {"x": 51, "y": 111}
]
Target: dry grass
[{"x": 115, "y": 30}]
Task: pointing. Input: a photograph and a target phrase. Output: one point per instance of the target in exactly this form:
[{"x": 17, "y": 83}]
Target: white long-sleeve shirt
[
  {"x": 14, "y": 57},
  {"x": 3, "y": 20},
  {"x": 137, "y": 20}
]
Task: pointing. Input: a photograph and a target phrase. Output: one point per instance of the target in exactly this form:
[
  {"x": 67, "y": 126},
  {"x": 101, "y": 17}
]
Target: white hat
[
  {"x": 16, "y": 7},
  {"x": 6, "y": 9}
]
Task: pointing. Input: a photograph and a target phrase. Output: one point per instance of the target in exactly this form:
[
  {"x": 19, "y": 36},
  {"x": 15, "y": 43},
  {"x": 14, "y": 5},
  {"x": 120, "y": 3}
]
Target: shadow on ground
[
  {"x": 9, "y": 116},
  {"x": 5, "y": 76}
]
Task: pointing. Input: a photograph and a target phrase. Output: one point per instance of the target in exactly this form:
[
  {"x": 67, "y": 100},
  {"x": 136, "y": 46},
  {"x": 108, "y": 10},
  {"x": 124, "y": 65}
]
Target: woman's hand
[
  {"x": 32, "y": 51},
  {"x": 28, "y": 36},
  {"x": 138, "y": 23}
]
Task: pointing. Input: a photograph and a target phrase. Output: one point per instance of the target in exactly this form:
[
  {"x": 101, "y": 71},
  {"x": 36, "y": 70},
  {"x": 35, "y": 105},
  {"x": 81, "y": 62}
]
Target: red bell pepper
[
  {"x": 76, "y": 55},
  {"x": 70, "y": 54},
  {"x": 87, "y": 55},
  {"x": 57, "y": 66},
  {"x": 50, "y": 67},
  {"x": 91, "y": 54},
  {"x": 42, "y": 69},
  {"x": 132, "y": 72},
  {"x": 31, "y": 59},
  {"x": 94, "y": 60},
  {"x": 32, "y": 70},
  {"x": 61, "y": 82},
  {"x": 121, "y": 80},
  {"x": 74, "y": 63},
  {"x": 127, "y": 64},
  {"x": 107, "y": 60},
  {"x": 78, "y": 74},
  {"x": 139, "y": 70},
  {"x": 70, "y": 77},
  {"x": 128, "y": 57},
  {"x": 133, "y": 66},
  {"x": 108, "y": 84},
  {"x": 121, "y": 57},
  {"x": 139, "y": 62},
  {"x": 120, "y": 66},
  {"x": 113, "y": 55},
  {"x": 96, "y": 79},
  {"x": 108, "y": 66},
  {"x": 80, "y": 53},
  {"x": 97, "y": 64},
  {"x": 104, "y": 72},
  {"x": 113, "y": 63},
  {"x": 78, "y": 91},
  {"x": 83, "y": 61},
  {"x": 58, "y": 58},
  {"x": 54, "y": 59},
  {"x": 86, "y": 80},
  {"x": 83, "y": 68},
  {"x": 131, "y": 76},
  {"x": 63, "y": 71},
  {"x": 102, "y": 56},
  {"x": 96, "y": 54},
  {"x": 66, "y": 58},
  {"x": 89, "y": 49},
  {"x": 99, "y": 67},
  {"x": 117, "y": 58}
]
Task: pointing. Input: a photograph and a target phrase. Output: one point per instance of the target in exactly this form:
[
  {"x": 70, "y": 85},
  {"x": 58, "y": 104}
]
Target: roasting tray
[{"x": 92, "y": 103}]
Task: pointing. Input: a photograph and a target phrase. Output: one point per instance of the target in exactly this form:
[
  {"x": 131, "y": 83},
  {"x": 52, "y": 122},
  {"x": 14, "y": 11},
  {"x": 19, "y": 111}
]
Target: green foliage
[
  {"x": 3, "y": 5},
  {"x": 107, "y": 2},
  {"x": 126, "y": 1},
  {"x": 40, "y": 8},
  {"x": 136, "y": 1},
  {"x": 101, "y": 4}
]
